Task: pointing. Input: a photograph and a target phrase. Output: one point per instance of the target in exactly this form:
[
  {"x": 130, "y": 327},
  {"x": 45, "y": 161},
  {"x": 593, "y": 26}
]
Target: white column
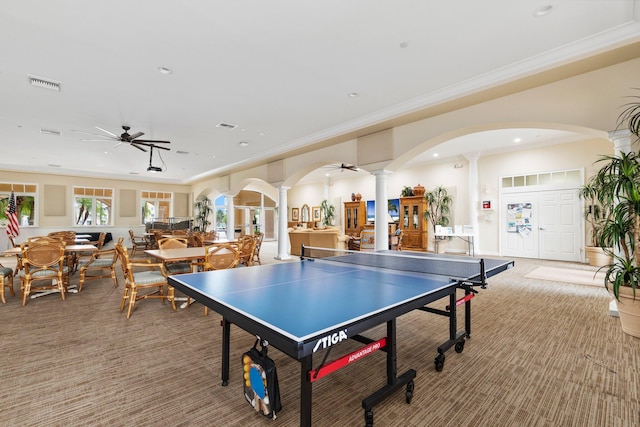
[
  {"x": 231, "y": 227},
  {"x": 283, "y": 237},
  {"x": 382, "y": 227},
  {"x": 474, "y": 201}
]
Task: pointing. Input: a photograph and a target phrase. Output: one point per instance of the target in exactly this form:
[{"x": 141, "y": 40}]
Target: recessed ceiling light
[
  {"x": 516, "y": 140},
  {"x": 165, "y": 70},
  {"x": 435, "y": 154},
  {"x": 243, "y": 144},
  {"x": 543, "y": 10},
  {"x": 353, "y": 95},
  {"x": 403, "y": 45}
]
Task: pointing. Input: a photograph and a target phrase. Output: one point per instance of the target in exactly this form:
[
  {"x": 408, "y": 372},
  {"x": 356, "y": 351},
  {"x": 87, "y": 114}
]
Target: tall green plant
[
  {"x": 203, "y": 209},
  {"x": 438, "y": 207},
  {"x": 619, "y": 182},
  {"x": 596, "y": 211}
]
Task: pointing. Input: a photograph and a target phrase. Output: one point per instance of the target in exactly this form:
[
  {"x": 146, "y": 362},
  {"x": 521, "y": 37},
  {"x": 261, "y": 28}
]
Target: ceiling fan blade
[
  {"x": 138, "y": 147},
  {"x": 96, "y": 140},
  {"x": 108, "y": 133},
  {"x": 151, "y": 141},
  {"x": 157, "y": 147},
  {"x": 136, "y": 135}
]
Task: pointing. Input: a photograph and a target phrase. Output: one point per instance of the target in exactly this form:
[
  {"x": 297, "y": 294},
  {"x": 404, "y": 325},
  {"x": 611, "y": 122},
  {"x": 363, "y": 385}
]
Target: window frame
[
  {"x": 20, "y": 189},
  {"x": 96, "y": 194}
]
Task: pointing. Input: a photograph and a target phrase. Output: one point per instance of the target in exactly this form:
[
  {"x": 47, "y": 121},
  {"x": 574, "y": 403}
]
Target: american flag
[{"x": 12, "y": 218}]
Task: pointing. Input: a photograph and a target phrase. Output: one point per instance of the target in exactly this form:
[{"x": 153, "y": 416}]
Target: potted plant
[
  {"x": 618, "y": 183},
  {"x": 328, "y": 213},
  {"x": 438, "y": 210},
  {"x": 203, "y": 209},
  {"x": 406, "y": 191},
  {"x": 595, "y": 214}
]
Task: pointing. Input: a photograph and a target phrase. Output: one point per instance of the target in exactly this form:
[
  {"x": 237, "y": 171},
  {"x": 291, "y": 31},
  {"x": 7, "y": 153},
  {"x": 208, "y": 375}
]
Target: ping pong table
[{"x": 308, "y": 307}]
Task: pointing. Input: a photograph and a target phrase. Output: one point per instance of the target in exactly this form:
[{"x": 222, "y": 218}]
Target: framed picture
[
  {"x": 315, "y": 213},
  {"x": 295, "y": 214}
]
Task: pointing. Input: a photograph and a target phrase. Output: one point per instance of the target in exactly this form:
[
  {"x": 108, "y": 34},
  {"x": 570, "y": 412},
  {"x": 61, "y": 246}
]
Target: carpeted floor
[{"x": 541, "y": 354}]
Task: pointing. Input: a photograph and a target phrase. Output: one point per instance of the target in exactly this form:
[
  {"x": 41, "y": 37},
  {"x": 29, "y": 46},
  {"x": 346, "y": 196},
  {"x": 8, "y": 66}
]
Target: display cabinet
[
  {"x": 414, "y": 223},
  {"x": 355, "y": 217}
]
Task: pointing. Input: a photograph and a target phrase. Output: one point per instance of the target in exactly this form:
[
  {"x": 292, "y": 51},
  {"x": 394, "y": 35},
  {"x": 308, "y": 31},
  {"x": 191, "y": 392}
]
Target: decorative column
[
  {"x": 283, "y": 237},
  {"x": 231, "y": 226},
  {"x": 382, "y": 210},
  {"x": 474, "y": 201}
]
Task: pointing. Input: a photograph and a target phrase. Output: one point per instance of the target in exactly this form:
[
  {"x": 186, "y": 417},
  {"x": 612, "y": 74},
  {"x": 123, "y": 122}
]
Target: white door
[
  {"x": 544, "y": 225},
  {"x": 519, "y": 232},
  {"x": 559, "y": 226}
]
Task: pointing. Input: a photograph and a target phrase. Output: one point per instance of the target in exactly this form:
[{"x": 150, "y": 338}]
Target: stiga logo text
[{"x": 330, "y": 340}]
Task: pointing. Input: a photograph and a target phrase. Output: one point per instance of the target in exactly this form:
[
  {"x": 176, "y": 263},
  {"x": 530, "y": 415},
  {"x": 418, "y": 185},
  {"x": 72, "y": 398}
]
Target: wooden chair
[
  {"x": 6, "y": 281},
  {"x": 397, "y": 246},
  {"x": 246, "y": 247},
  {"x": 100, "y": 242},
  {"x": 43, "y": 260},
  {"x": 101, "y": 265},
  {"x": 256, "y": 251},
  {"x": 153, "y": 276},
  {"x": 18, "y": 257},
  {"x": 137, "y": 242},
  {"x": 83, "y": 257},
  {"x": 220, "y": 257},
  {"x": 175, "y": 243}
]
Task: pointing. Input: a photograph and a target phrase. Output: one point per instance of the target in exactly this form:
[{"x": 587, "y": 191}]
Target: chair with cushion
[
  {"x": 256, "y": 251},
  {"x": 6, "y": 281},
  {"x": 175, "y": 243},
  {"x": 18, "y": 256},
  {"x": 246, "y": 247},
  {"x": 137, "y": 243},
  {"x": 142, "y": 276},
  {"x": 101, "y": 265},
  {"x": 220, "y": 257},
  {"x": 397, "y": 245},
  {"x": 43, "y": 261}
]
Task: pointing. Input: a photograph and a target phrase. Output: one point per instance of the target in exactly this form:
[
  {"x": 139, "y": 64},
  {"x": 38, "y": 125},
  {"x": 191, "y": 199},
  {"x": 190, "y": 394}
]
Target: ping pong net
[{"x": 468, "y": 270}]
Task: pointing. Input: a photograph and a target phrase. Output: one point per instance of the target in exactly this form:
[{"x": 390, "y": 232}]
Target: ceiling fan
[
  {"x": 343, "y": 166},
  {"x": 125, "y": 137}
]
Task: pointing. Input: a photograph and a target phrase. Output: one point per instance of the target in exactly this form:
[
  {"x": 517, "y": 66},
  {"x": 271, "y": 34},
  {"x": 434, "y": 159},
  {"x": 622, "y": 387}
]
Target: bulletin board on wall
[{"x": 519, "y": 218}]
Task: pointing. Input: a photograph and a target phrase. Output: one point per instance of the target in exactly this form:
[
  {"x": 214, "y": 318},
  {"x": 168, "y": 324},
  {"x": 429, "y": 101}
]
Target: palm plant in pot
[
  {"x": 595, "y": 213},
  {"x": 438, "y": 211},
  {"x": 619, "y": 186}
]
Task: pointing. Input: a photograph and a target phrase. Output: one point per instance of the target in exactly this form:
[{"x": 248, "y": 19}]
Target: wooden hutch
[
  {"x": 414, "y": 223},
  {"x": 355, "y": 217}
]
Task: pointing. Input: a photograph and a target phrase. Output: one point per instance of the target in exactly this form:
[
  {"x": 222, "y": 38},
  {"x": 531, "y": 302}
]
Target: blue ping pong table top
[{"x": 302, "y": 300}]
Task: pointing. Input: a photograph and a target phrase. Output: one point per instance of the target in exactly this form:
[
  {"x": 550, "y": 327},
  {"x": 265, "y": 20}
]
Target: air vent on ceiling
[
  {"x": 226, "y": 126},
  {"x": 45, "y": 83},
  {"x": 182, "y": 152},
  {"x": 50, "y": 132}
]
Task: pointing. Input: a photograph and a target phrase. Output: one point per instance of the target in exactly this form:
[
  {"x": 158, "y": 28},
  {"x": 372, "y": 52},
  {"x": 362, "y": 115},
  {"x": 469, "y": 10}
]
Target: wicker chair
[
  {"x": 220, "y": 257},
  {"x": 6, "y": 281},
  {"x": 137, "y": 242},
  {"x": 256, "y": 250},
  {"x": 246, "y": 247},
  {"x": 43, "y": 260},
  {"x": 153, "y": 276},
  {"x": 175, "y": 243},
  {"x": 101, "y": 265}
]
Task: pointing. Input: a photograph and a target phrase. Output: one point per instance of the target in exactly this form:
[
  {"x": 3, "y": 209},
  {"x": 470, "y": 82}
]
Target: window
[
  {"x": 156, "y": 206},
  {"x": 92, "y": 206},
  {"x": 221, "y": 213},
  {"x": 26, "y": 203}
]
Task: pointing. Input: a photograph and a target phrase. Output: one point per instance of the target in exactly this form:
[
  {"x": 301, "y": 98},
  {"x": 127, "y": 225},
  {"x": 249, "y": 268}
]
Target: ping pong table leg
[
  {"x": 306, "y": 365},
  {"x": 226, "y": 343}
]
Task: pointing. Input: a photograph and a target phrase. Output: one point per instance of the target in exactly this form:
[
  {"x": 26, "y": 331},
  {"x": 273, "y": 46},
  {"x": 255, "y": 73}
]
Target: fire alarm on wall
[{"x": 486, "y": 204}]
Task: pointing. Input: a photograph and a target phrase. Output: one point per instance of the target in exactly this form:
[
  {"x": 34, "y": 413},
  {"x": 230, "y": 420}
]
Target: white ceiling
[{"x": 282, "y": 71}]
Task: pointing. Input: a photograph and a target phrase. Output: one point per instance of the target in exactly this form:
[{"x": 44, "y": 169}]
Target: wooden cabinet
[
  {"x": 355, "y": 217},
  {"x": 414, "y": 223}
]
